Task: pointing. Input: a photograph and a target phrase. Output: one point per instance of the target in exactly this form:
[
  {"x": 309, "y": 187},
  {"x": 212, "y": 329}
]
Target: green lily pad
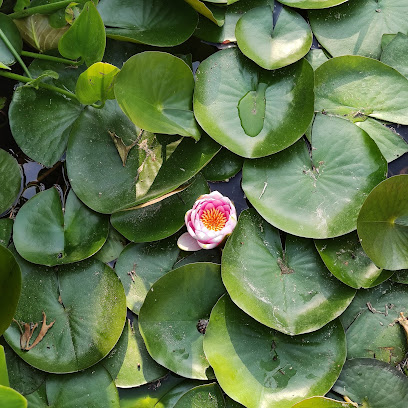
[
  {"x": 129, "y": 363},
  {"x": 168, "y": 212},
  {"x": 203, "y": 396},
  {"x": 85, "y": 38},
  {"x": 312, "y": 4},
  {"x": 322, "y": 402},
  {"x": 390, "y": 143},
  {"x": 224, "y": 165},
  {"x": 284, "y": 287},
  {"x": 372, "y": 383},
  {"x": 91, "y": 388},
  {"x": 213, "y": 13},
  {"x": 155, "y": 91},
  {"x": 270, "y": 46},
  {"x": 13, "y": 35},
  {"x": 395, "y": 54},
  {"x": 316, "y": 191},
  {"x": 4, "y": 379},
  {"x": 153, "y": 22},
  {"x": 87, "y": 304},
  {"x": 42, "y": 139},
  {"x": 316, "y": 57},
  {"x": 209, "y": 255},
  {"x": 23, "y": 378},
  {"x": 112, "y": 248},
  {"x": 255, "y": 364},
  {"x": 346, "y": 260},
  {"x": 357, "y": 87},
  {"x": 96, "y": 83},
  {"x": 400, "y": 276},
  {"x": 141, "y": 265},
  {"x": 11, "y": 398},
  {"x": 356, "y": 27},
  {"x": 10, "y": 180},
  {"x": 288, "y": 103},
  {"x": 382, "y": 224},
  {"x": 171, "y": 313},
  {"x": 47, "y": 234},
  {"x": 10, "y": 287},
  {"x": 210, "y": 32},
  {"x": 371, "y": 323},
  {"x": 155, "y": 167}
]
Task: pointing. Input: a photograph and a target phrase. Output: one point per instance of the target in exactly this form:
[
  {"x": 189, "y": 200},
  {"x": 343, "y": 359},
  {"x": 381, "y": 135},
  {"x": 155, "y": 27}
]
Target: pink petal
[
  {"x": 187, "y": 243},
  {"x": 207, "y": 246}
]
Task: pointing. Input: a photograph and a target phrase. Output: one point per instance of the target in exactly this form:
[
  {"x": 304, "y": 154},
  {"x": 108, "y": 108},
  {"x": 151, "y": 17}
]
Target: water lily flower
[{"x": 209, "y": 222}]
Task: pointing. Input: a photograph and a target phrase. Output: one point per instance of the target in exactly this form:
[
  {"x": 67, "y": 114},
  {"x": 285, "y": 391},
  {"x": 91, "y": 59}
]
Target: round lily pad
[
  {"x": 129, "y": 363},
  {"x": 47, "y": 234},
  {"x": 224, "y": 165},
  {"x": 203, "y": 396},
  {"x": 312, "y": 4},
  {"x": 371, "y": 323},
  {"x": 155, "y": 91},
  {"x": 254, "y": 363},
  {"x": 10, "y": 287},
  {"x": 79, "y": 310},
  {"x": 263, "y": 111},
  {"x": 400, "y": 276},
  {"x": 284, "y": 286},
  {"x": 316, "y": 190},
  {"x": 11, "y": 398},
  {"x": 10, "y": 180},
  {"x": 136, "y": 224},
  {"x": 114, "y": 245},
  {"x": 140, "y": 265},
  {"x": 382, "y": 224},
  {"x": 6, "y": 228},
  {"x": 373, "y": 384},
  {"x": 395, "y": 54},
  {"x": 273, "y": 46},
  {"x": 154, "y": 22},
  {"x": 356, "y": 27},
  {"x": 125, "y": 166},
  {"x": 91, "y": 388},
  {"x": 357, "y": 87},
  {"x": 322, "y": 402},
  {"x": 346, "y": 260},
  {"x": 13, "y": 35},
  {"x": 175, "y": 308}
]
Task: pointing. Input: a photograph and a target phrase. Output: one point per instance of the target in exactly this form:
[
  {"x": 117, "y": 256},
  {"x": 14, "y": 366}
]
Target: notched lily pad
[{"x": 49, "y": 232}]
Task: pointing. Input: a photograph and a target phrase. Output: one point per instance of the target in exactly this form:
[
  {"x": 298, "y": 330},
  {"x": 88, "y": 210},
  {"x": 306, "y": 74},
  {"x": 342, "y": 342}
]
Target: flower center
[{"x": 213, "y": 219}]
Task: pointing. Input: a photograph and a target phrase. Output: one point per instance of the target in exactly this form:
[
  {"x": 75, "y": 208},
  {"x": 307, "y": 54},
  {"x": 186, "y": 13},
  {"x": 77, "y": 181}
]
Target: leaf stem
[
  {"x": 40, "y": 84},
  {"x": 16, "y": 55},
  {"x": 51, "y": 58},
  {"x": 44, "y": 9}
]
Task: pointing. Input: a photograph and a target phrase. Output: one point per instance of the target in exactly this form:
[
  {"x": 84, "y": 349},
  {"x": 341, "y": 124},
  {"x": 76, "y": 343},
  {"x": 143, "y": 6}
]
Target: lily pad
[
  {"x": 136, "y": 223},
  {"x": 357, "y": 87},
  {"x": 46, "y": 233},
  {"x": 213, "y": 13},
  {"x": 207, "y": 31},
  {"x": 316, "y": 190},
  {"x": 382, "y": 224},
  {"x": 373, "y": 384},
  {"x": 13, "y": 35},
  {"x": 287, "y": 96},
  {"x": 390, "y": 143},
  {"x": 85, "y": 38},
  {"x": 4, "y": 380},
  {"x": 224, "y": 165},
  {"x": 41, "y": 139},
  {"x": 11, "y": 398},
  {"x": 400, "y": 276},
  {"x": 10, "y": 180},
  {"x": 322, "y": 402},
  {"x": 273, "y": 46},
  {"x": 312, "y": 4},
  {"x": 286, "y": 287},
  {"x": 129, "y": 363},
  {"x": 395, "y": 54},
  {"x": 255, "y": 364},
  {"x": 153, "y": 22},
  {"x": 87, "y": 304},
  {"x": 10, "y": 287},
  {"x": 141, "y": 265},
  {"x": 203, "y": 396},
  {"x": 316, "y": 57},
  {"x": 155, "y": 91},
  {"x": 155, "y": 167},
  {"x": 92, "y": 388},
  {"x": 113, "y": 246},
  {"x": 356, "y": 27},
  {"x": 170, "y": 316},
  {"x": 371, "y": 323},
  {"x": 346, "y": 260}
]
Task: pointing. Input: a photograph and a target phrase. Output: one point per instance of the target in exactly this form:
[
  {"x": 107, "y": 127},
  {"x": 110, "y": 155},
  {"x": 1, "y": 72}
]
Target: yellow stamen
[{"x": 213, "y": 219}]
